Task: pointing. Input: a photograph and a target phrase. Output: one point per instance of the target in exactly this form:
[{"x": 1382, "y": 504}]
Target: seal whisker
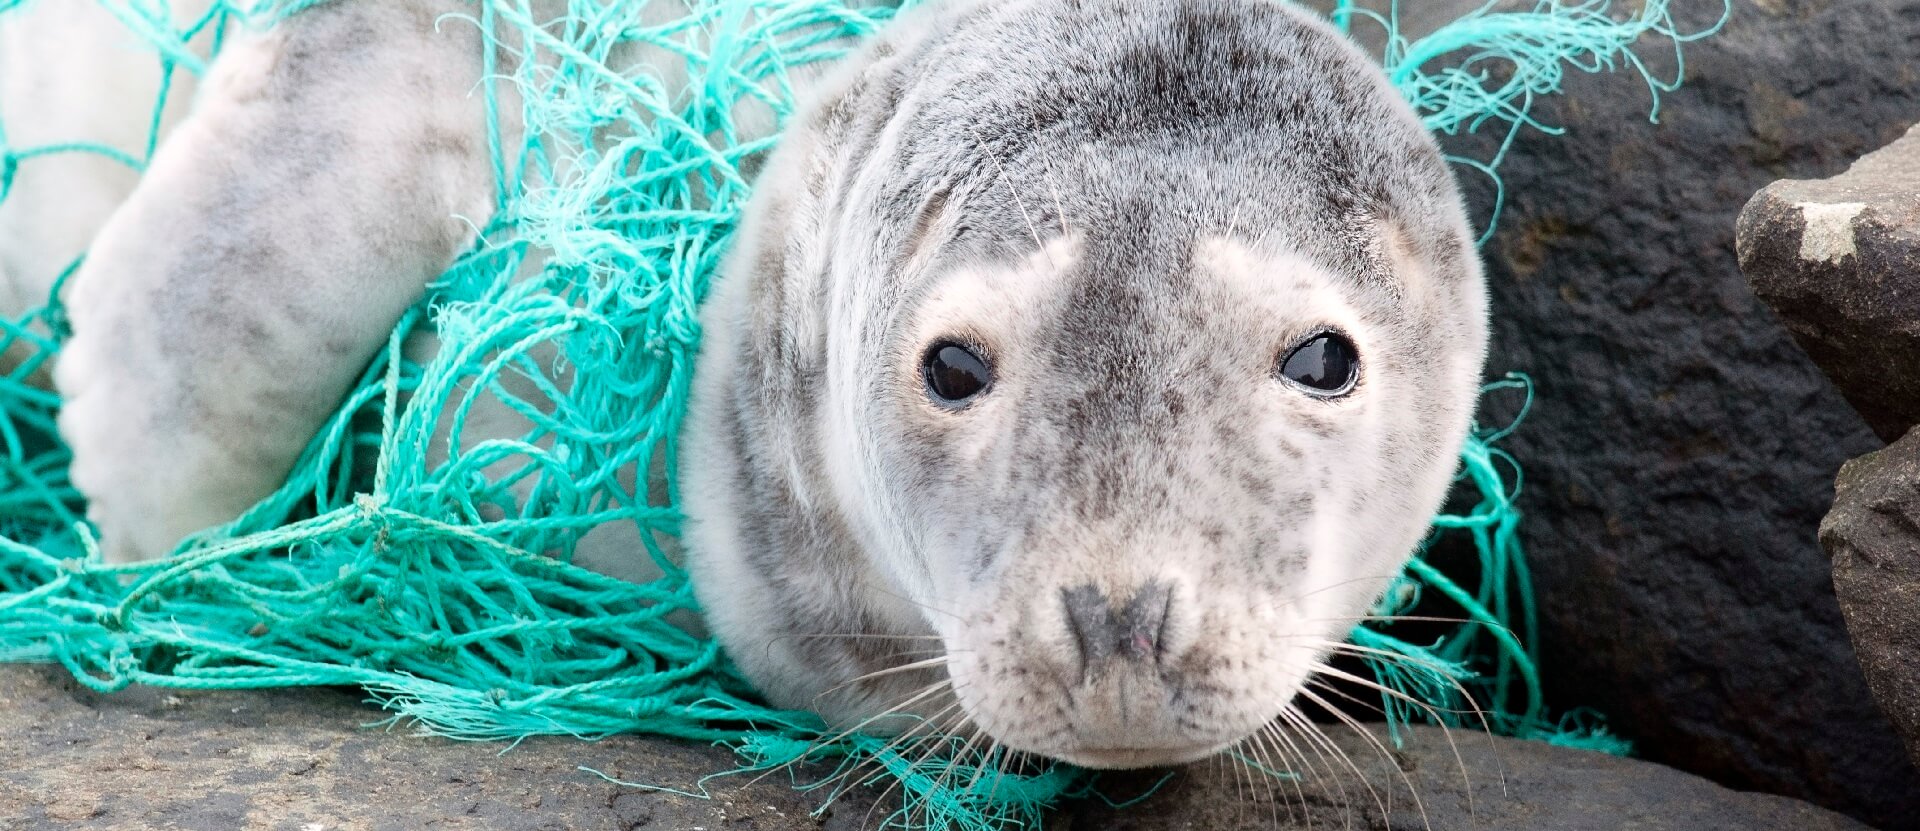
[
  {"x": 1433, "y": 711},
  {"x": 1012, "y": 760},
  {"x": 1385, "y": 754},
  {"x": 1242, "y": 778},
  {"x": 1312, "y": 739},
  {"x": 928, "y": 663},
  {"x": 935, "y": 727},
  {"x": 1271, "y": 735},
  {"x": 1320, "y": 736},
  {"x": 1251, "y": 745},
  {"x": 1300, "y": 764},
  {"x": 857, "y": 636},
  {"x": 935, "y": 688},
  {"x": 1382, "y": 802},
  {"x": 945, "y": 774},
  {"x": 988, "y": 757},
  {"x": 1276, "y": 768},
  {"x": 1322, "y": 685},
  {"x": 1257, "y": 782},
  {"x": 843, "y": 774},
  {"x": 1388, "y": 619},
  {"x": 1059, "y": 207},
  {"x": 1362, "y": 651},
  {"x": 1277, "y": 733},
  {"x": 937, "y": 734},
  {"x": 1290, "y": 720},
  {"x": 910, "y": 601},
  {"x": 1474, "y": 708},
  {"x": 1445, "y": 730},
  {"x": 1363, "y": 578},
  {"x": 1317, "y": 669},
  {"x": 1001, "y": 175},
  {"x": 1486, "y": 727},
  {"x": 1276, "y": 791}
]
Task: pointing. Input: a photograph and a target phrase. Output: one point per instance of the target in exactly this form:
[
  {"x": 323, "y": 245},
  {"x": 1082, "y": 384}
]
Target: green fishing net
[{"x": 452, "y": 601}]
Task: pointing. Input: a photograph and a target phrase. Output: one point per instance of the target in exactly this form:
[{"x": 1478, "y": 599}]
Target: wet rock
[
  {"x": 300, "y": 760},
  {"x": 1839, "y": 260},
  {"x": 1682, "y": 448},
  {"x": 1873, "y": 535}
]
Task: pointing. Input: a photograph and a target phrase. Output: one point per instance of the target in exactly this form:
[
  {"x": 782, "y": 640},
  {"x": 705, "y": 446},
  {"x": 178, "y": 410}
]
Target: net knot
[
  {"x": 370, "y": 505},
  {"x": 9, "y": 165}
]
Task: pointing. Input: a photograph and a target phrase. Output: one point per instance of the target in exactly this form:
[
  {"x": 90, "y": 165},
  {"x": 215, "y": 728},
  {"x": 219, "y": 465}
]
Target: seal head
[{"x": 1084, "y": 369}]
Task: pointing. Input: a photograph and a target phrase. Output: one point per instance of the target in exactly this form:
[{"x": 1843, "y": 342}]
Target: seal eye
[
  {"x": 1324, "y": 365},
  {"x": 955, "y": 373}
]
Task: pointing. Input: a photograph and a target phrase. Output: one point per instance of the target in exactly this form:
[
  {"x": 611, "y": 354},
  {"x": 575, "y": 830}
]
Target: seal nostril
[
  {"x": 1091, "y": 622},
  {"x": 1146, "y": 621},
  {"x": 1137, "y": 632}
]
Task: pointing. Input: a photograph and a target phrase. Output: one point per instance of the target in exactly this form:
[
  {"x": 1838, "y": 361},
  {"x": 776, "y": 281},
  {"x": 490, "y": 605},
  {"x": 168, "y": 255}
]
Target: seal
[
  {"x": 1082, "y": 370},
  {"x": 327, "y": 170}
]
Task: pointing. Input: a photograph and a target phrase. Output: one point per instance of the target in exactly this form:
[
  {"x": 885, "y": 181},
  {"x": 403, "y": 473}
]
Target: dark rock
[
  {"x": 1873, "y": 535},
  {"x": 1491, "y": 785},
  {"x": 298, "y": 759},
  {"x": 1682, "y": 448},
  {"x": 1839, "y": 260}
]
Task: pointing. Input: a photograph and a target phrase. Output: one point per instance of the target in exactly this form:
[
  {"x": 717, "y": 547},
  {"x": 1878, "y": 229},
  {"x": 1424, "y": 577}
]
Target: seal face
[{"x": 1083, "y": 371}]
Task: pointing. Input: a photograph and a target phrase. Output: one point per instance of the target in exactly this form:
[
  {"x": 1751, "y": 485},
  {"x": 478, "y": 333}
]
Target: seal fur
[
  {"x": 1133, "y": 209},
  {"x": 1133, "y": 551}
]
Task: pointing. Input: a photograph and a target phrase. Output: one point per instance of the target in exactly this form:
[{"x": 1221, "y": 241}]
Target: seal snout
[
  {"x": 1119, "y": 665},
  {"x": 1106, "y": 631}
]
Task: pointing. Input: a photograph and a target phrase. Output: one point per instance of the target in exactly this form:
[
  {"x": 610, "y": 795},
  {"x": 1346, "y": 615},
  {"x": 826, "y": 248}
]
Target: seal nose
[{"x": 1104, "y": 630}]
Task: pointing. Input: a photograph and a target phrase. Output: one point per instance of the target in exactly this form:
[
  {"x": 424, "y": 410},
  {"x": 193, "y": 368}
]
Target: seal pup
[
  {"x": 1121, "y": 351},
  {"x": 303, "y": 194}
]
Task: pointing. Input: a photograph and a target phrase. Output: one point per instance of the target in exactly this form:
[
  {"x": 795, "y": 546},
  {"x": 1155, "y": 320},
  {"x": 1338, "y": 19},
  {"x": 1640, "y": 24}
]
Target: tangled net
[{"x": 453, "y": 602}]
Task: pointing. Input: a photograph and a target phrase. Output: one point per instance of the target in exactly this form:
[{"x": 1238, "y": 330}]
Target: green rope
[{"x": 452, "y": 602}]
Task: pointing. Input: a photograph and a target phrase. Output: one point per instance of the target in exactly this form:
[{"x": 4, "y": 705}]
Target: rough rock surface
[
  {"x": 1682, "y": 448},
  {"x": 297, "y": 760},
  {"x": 1839, "y": 260},
  {"x": 1873, "y": 535}
]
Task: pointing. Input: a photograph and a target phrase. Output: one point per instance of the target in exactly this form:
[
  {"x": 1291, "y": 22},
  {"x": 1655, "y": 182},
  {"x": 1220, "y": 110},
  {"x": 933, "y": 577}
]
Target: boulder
[
  {"x": 1682, "y": 448},
  {"x": 300, "y": 760},
  {"x": 1839, "y": 260},
  {"x": 1873, "y": 535}
]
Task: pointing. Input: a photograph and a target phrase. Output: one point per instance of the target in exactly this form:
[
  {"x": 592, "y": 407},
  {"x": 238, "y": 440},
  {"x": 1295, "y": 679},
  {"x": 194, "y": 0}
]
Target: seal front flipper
[{"x": 331, "y": 168}]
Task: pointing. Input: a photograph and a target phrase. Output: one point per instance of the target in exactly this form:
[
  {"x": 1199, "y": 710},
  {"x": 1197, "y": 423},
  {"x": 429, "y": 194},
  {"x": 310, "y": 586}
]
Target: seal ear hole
[
  {"x": 1325, "y": 365},
  {"x": 955, "y": 373}
]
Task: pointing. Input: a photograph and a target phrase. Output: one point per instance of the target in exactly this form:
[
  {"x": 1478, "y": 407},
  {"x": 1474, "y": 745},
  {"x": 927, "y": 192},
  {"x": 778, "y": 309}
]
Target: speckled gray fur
[
  {"x": 327, "y": 170},
  {"x": 1132, "y": 210},
  {"x": 1133, "y": 550}
]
